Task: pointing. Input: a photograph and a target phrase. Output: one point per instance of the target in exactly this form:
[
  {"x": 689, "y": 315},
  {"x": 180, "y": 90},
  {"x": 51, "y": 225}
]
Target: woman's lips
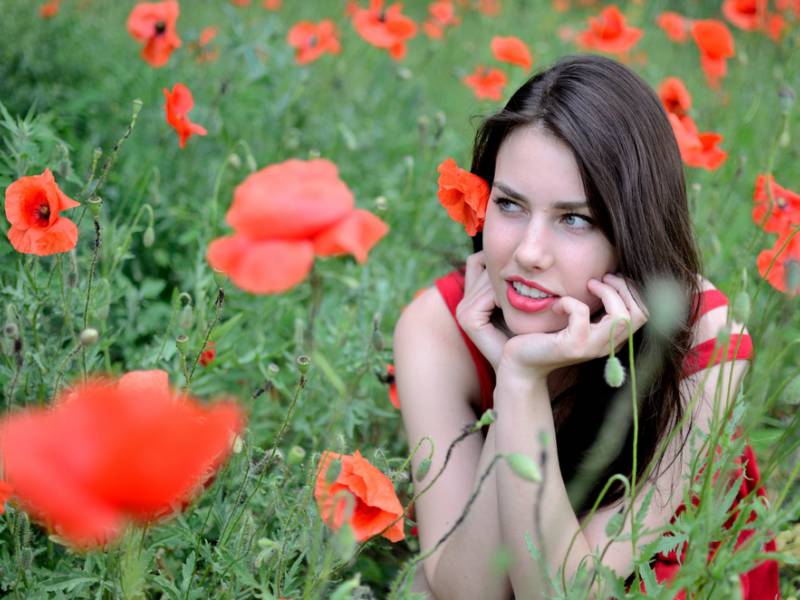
[{"x": 526, "y": 304}]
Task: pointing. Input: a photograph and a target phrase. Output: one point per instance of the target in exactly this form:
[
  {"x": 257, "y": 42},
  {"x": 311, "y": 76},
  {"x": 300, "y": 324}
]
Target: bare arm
[{"x": 436, "y": 379}]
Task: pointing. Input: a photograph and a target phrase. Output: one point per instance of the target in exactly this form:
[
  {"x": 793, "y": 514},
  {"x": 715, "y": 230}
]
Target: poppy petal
[{"x": 356, "y": 234}]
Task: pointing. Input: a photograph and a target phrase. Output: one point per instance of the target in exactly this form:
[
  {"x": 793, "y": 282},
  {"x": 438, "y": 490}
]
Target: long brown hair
[{"x": 632, "y": 173}]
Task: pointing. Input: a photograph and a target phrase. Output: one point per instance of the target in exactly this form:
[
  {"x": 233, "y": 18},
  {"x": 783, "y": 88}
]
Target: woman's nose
[{"x": 535, "y": 249}]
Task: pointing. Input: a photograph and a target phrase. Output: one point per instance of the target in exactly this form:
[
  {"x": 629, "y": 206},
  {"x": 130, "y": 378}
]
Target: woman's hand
[
  {"x": 475, "y": 310},
  {"x": 538, "y": 354}
]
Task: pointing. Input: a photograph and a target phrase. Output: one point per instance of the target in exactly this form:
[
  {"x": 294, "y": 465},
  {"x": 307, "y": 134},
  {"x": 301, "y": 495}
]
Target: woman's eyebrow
[{"x": 563, "y": 205}]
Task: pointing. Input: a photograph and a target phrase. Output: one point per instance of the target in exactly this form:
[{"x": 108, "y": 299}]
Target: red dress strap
[
  {"x": 704, "y": 355},
  {"x": 451, "y": 287}
]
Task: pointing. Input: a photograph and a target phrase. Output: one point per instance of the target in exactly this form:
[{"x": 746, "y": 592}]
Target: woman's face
[{"x": 538, "y": 232}]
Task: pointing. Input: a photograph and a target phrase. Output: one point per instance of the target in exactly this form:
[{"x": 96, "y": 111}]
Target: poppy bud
[
  {"x": 423, "y": 469},
  {"x": 296, "y": 455},
  {"x": 614, "y": 372},
  {"x": 234, "y": 160},
  {"x": 741, "y": 307},
  {"x": 95, "y": 202},
  {"x": 344, "y": 542},
  {"x": 238, "y": 444},
  {"x": 186, "y": 320},
  {"x": 404, "y": 73},
  {"x": 423, "y": 123},
  {"x": 665, "y": 301},
  {"x": 724, "y": 335},
  {"x": 89, "y": 337},
  {"x": 149, "y": 237},
  {"x": 303, "y": 363},
  {"x": 332, "y": 474},
  {"x": 523, "y": 466},
  {"x": 381, "y": 203}
]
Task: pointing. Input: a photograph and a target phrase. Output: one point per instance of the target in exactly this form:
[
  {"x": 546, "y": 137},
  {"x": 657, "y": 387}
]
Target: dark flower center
[
  {"x": 42, "y": 214},
  {"x": 313, "y": 41},
  {"x": 161, "y": 27}
]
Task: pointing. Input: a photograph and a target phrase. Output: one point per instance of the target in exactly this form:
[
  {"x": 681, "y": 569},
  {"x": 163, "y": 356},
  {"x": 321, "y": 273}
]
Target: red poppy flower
[
  {"x": 241, "y": 3},
  {"x": 442, "y": 15},
  {"x": 512, "y": 50},
  {"x": 708, "y": 156},
  {"x": 208, "y": 34},
  {"x": 49, "y": 9},
  {"x": 490, "y": 8},
  {"x": 779, "y": 213},
  {"x": 153, "y": 24},
  {"x": 312, "y": 40},
  {"x": 390, "y": 381},
  {"x": 179, "y": 104},
  {"x": 486, "y": 83},
  {"x": 464, "y": 195},
  {"x": 282, "y": 216},
  {"x": 716, "y": 46},
  {"x": 675, "y": 26},
  {"x": 609, "y": 33},
  {"x": 208, "y": 354},
  {"x": 674, "y": 96},
  {"x": 786, "y": 5},
  {"x": 272, "y": 4},
  {"x": 107, "y": 452},
  {"x": 786, "y": 260},
  {"x": 384, "y": 28},
  {"x": 748, "y": 15},
  {"x": 375, "y": 503},
  {"x": 32, "y": 208}
]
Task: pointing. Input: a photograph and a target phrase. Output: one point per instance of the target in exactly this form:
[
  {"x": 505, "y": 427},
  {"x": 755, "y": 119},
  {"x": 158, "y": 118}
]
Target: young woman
[{"x": 587, "y": 204}]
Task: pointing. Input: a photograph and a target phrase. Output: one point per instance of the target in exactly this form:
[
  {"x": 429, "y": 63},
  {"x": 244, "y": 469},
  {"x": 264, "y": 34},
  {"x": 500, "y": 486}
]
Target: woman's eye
[
  {"x": 577, "y": 221},
  {"x": 506, "y": 205}
]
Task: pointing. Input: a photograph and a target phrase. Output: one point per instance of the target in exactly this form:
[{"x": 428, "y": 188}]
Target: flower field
[{"x": 215, "y": 212}]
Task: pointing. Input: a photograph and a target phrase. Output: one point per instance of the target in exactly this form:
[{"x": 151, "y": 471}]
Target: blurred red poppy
[
  {"x": 375, "y": 503},
  {"x": 390, "y": 381},
  {"x": 272, "y": 4},
  {"x": 107, "y": 452},
  {"x": 240, "y": 2},
  {"x": 777, "y": 214},
  {"x": 312, "y": 40},
  {"x": 49, "y": 9},
  {"x": 697, "y": 149},
  {"x": 442, "y": 15},
  {"x": 512, "y": 50},
  {"x": 780, "y": 265},
  {"x": 609, "y": 32},
  {"x": 208, "y": 354},
  {"x": 490, "y": 8},
  {"x": 282, "y": 216},
  {"x": 674, "y": 96},
  {"x": 32, "y": 208},
  {"x": 179, "y": 104},
  {"x": 153, "y": 24},
  {"x": 464, "y": 195},
  {"x": 386, "y": 28},
  {"x": 716, "y": 46},
  {"x": 486, "y": 83},
  {"x": 747, "y": 15},
  {"x": 675, "y": 26},
  {"x": 208, "y": 34}
]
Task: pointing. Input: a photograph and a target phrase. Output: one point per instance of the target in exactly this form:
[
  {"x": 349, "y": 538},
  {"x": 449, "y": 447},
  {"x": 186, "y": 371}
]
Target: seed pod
[
  {"x": 523, "y": 466},
  {"x": 296, "y": 455},
  {"x": 181, "y": 342},
  {"x": 303, "y": 363},
  {"x": 186, "y": 320},
  {"x": 89, "y": 337},
  {"x": 423, "y": 469},
  {"x": 614, "y": 372}
]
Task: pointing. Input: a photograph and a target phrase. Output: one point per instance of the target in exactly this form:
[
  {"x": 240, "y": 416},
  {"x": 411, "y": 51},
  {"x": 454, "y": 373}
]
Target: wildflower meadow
[{"x": 215, "y": 212}]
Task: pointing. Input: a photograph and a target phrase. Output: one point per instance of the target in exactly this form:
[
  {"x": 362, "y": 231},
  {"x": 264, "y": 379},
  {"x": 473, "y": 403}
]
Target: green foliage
[{"x": 68, "y": 87}]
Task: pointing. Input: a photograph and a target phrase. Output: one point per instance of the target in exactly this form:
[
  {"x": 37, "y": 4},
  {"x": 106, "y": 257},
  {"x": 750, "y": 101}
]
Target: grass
[{"x": 68, "y": 88}]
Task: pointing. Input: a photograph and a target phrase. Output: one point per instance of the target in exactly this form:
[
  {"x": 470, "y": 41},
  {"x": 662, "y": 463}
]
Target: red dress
[{"x": 759, "y": 583}]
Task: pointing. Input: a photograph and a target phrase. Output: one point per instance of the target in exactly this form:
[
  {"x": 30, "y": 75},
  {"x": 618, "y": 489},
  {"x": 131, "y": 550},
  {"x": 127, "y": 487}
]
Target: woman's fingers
[{"x": 636, "y": 307}]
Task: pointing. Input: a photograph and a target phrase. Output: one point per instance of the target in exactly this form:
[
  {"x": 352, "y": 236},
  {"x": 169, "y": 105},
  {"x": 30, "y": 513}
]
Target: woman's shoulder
[
  {"x": 429, "y": 345},
  {"x": 713, "y": 312}
]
